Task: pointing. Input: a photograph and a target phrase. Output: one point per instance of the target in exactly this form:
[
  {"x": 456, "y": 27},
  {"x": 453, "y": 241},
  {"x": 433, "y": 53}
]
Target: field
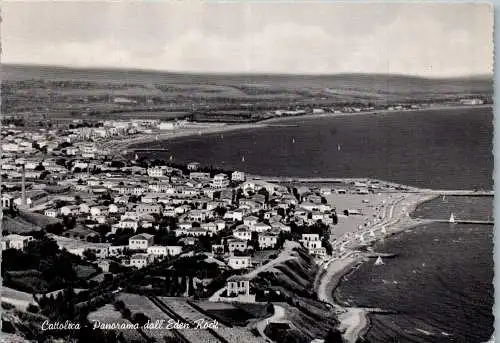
[
  {"x": 141, "y": 304},
  {"x": 17, "y": 225},
  {"x": 108, "y": 314},
  {"x": 20, "y": 300}
]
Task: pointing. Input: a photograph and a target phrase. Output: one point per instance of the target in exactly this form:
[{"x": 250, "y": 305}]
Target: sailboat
[
  {"x": 171, "y": 158},
  {"x": 372, "y": 234},
  {"x": 199, "y": 133},
  {"x": 452, "y": 219},
  {"x": 383, "y": 230},
  {"x": 242, "y": 158},
  {"x": 136, "y": 157},
  {"x": 293, "y": 140},
  {"x": 379, "y": 261},
  {"x": 338, "y": 147},
  {"x": 156, "y": 137}
]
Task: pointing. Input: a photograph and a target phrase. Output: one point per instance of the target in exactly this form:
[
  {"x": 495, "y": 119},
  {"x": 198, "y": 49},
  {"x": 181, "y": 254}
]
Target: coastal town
[{"x": 139, "y": 240}]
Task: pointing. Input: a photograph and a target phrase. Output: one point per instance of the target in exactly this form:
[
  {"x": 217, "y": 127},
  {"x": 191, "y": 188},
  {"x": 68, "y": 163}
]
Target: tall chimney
[{"x": 23, "y": 188}]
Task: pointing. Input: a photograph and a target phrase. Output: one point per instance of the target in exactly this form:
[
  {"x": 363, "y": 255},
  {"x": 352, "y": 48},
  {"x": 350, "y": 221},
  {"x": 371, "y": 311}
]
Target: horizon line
[{"x": 245, "y": 73}]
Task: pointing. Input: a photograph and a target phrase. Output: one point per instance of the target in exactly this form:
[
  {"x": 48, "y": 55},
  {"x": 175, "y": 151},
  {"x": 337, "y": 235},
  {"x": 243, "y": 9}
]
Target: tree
[
  {"x": 89, "y": 255},
  {"x": 33, "y": 308},
  {"x": 334, "y": 336},
  {"x": 140, "y": 318}
]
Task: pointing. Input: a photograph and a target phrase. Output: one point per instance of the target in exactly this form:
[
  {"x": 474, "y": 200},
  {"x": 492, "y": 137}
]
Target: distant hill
[{"x": 374, "y": 83}]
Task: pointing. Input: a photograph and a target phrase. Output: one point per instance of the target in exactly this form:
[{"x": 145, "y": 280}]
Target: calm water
[
  {"x": 439, "y": 149},
  {"x": 440, "y": 282}
]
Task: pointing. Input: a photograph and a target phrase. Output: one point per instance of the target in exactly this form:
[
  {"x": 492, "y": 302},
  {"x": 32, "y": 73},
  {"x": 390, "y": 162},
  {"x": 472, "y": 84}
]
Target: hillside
[{"x": 289, "y": 284}]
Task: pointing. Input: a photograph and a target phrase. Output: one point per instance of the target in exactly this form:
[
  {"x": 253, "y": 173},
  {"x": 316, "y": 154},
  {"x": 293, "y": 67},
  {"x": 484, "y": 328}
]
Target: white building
[
  {"x": 267, "y": 241},
  {"x": 159, "y": 250},
  {"x": 51, "y": 212},
  {"x": 156, "y": 172},
  {"x": 237, "y": 244},
  {"x": 239, "y": 262},
  {"x": 148, "y": 209},
  {"x": 117, "y": 250},
  {"x": 220, "y": 181},
  {"x": 140, "y": 260},
  {"x": 140, "y": 242},
  {"x": 166, "y": 125},
  {"x": 243, "y": 233},
  {"x": 238, "y": 285},
  {"x": 238, "y": 176},
  {"x": 16, "y": 242},
  {"x": 310, "y": 237},
  {"x": 250, "y": 221},
  {"x": 193, "y": 166}
]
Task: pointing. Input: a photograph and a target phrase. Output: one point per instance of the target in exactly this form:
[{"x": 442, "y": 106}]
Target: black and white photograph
[{"x": 188, "y": 171}]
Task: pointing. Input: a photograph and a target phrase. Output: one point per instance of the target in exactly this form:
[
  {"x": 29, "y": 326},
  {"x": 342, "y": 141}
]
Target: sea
[
  {"x": 442, "y": 149},
  {"x": 440, "y": 282}
]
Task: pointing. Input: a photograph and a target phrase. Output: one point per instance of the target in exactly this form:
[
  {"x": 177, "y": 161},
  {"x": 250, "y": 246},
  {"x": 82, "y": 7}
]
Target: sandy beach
[{"x": 392, "y": 217}]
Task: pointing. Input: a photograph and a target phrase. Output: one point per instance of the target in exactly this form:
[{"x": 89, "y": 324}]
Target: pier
[
  {"x": 463, "y": 221},
  {"x": 147, "y": 150}
]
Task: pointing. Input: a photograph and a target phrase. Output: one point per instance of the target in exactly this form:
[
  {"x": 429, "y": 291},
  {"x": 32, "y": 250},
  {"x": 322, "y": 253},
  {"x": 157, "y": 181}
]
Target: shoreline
[
  {"x": 201, "y": 128},
  {"x": 354, "y": 321}
]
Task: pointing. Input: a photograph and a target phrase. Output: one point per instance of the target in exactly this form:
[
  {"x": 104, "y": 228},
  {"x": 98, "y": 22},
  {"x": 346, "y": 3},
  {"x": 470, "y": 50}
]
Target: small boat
[
  {"x": 156, "y": 137},
  {"x": 293, "y": 140},
  {"x": 372, "y": 234},
  {"x": 452, "y": 219},
  {"x": 199, "y": 133},
  {"x": 379, "y": 261},
  {"x": 136, "y": 157},
  {"x": 338, "y": 147},
  {"x": 383, "y": 230}
]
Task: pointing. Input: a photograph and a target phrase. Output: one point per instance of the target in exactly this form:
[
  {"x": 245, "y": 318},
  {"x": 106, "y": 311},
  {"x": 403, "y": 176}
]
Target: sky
[{"x": 301, "y": 37}]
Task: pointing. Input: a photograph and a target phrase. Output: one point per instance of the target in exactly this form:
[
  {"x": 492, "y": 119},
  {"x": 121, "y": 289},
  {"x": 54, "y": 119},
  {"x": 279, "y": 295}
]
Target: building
[
  {"x": 250, "y": 221},
  {"x": 51, "y": 212},
  {"x": 140, "y": 260},
  {"x": 243, "y": 233},
  {"x": 239, "y": 262},
  {"x": 148, "y": 209},
  {"x": 159, "y": 250},
  {"x": 140, "y": 242},
  {"x": 166, "y": 125},
  {"x": 238, "y": 176},
  {"x": 117, "y": 250},
  {"x": 238, "y": 285},
  {"x": 220, "y": 181},
  {"x": 16, "y": 242},
  {"x": 156, "y": 172},
  {"x": 217, "y": 249},
  {"x": 310, "y": 237},
  {"x": 193, "y": 166},
  {"x": 261, "y": 227},
  {"x": 237, "y": 244},
  {"x": 267, "y": 241}
]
